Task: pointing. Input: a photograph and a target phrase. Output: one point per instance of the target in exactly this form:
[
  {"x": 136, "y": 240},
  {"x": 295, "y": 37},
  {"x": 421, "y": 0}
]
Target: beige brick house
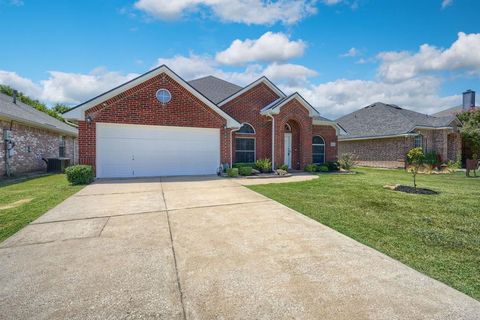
[
  {"x": 382, "y": 134},
  {"x": 28, "y": 135}
]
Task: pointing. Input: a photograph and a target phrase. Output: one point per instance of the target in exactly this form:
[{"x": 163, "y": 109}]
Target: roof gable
[
  {"x": 276, "y": 106},
  {"x": 78, "y": 113},
  {"x": 252, "y": 85}
]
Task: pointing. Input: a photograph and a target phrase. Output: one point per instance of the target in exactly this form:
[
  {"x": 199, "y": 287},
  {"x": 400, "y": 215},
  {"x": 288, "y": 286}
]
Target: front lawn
[
  {"x": 438, "y": 235},
  {"x": 23, "y": 202}
]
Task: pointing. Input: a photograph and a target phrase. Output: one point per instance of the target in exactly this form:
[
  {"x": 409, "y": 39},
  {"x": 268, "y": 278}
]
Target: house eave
[
  {"x": 403, "y": 135},
  {"x": 9, "y": 117}
]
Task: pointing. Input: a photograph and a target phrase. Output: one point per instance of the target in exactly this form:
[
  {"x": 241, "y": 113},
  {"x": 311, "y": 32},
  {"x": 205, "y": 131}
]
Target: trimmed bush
[
  {"x": 79, "y": 174},
  {"x": 323, "y": 168},
  {"x": 243, "y": 164},
  {"x": 284, "y": 167},
  {"x": 264, "y": 165},
  {"x": 333, "y": 165},
  {"x": 232, "y": 172},
  {"x": 311, "y": 167},
  {"x": 245, "y": 171}
]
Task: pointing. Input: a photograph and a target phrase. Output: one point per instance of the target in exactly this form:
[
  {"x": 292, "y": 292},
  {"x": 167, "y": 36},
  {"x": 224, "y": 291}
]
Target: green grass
[
  {"x": 438, "y": 235},
  {"x": 45, "y": 193}
]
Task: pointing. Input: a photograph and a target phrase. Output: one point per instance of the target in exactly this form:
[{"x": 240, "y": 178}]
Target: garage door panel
[{"x": 138, "y": 151}]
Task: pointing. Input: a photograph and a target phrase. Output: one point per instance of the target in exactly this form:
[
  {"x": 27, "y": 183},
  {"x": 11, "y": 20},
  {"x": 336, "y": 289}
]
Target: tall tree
[{"x": 470, "y": 130}]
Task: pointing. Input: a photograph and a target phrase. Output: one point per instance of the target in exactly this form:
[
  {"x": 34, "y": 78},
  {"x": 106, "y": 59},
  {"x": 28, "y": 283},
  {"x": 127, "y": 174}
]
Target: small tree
[
  {"x": 415, "y": 159},
  {"x": 347, "y": 161}
]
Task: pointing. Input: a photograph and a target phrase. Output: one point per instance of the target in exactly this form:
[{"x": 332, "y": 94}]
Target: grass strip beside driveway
[
  {"x": 24, "y": 201},
  {"x": 438, "y": 235}
]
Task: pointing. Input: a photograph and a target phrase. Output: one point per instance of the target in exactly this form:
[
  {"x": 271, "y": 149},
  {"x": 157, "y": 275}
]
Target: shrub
[
  {"x": 415, "y": 158},
  {"x": 311, "y": 167},
  {"x": 79, "y": 174},
  {"x": 284, "y": 167},
  {"x": 323, "y": 168},
  {"x": 333, "y": 165},
  {"x": 245, "y": 171},
  {"x": 348, "y": 161},
  {"x": 232, "y": 172},
  {"x": 431, "y": 159},
  {"x": 264, "y": 165},
  {"x": 243, "y": 164}
]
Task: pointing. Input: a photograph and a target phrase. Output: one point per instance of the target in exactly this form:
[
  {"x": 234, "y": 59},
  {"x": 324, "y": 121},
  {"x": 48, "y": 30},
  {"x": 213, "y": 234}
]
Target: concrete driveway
[{"x": 203, "y": 248}]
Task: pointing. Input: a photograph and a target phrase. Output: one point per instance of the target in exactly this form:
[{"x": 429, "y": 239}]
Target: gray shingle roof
[
  {"x": 24, "y": 113},
  {"x": 451, "y": 111},
  {"x": 214, "y": 89},
  {"x": 380, "y": 119}
]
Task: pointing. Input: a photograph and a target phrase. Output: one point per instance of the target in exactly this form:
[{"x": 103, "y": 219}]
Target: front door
[{"x": 288, "y": 150}]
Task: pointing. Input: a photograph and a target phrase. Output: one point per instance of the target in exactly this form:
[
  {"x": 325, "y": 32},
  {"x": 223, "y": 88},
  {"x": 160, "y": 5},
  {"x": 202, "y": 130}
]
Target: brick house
[
  {"x": 159, "y": 124},
  {"x": 28, "y": 135},
  {"x": 380, "y": 135}
]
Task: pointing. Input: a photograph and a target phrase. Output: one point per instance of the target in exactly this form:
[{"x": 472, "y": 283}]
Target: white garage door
[{"x": 143, "y": 151}]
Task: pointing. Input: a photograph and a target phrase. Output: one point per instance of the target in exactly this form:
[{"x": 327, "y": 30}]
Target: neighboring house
[
  {"x": 158, "y": 125},
  {"x": 28, "y": 135},
  {"x": 381, "y": 135},
  {"x": 468, "y": 104}
]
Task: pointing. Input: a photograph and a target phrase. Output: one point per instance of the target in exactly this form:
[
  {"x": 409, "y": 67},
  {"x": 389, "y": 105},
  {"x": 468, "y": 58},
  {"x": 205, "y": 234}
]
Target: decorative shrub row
[{"x": 325, "y": 167}]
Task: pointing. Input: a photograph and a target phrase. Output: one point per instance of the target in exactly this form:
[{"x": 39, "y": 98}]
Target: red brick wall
[
  {"x": 297, "y": 116},
  {"x": 31, "y": 145},
  {"x": 246, "y": 108},
  {"x": 384, "y": 153},
  {"x": 329, "y": 134},
  {"x": 139, "y": 105}
]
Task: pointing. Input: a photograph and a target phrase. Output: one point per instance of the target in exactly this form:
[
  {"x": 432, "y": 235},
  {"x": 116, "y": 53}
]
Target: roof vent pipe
[
  {"x": 468, "y": 99},
  {"x": 15, "y": 96}
]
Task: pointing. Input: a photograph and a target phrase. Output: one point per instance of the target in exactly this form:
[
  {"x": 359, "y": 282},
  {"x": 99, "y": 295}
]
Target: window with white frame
[
  {"x": 418, "y": 141},
  {"x": 61, "y": 147},
  {"x": 318, "y": 150},
  {"x": 246, "y": 128},
  {"x": 245, "y": 150}
]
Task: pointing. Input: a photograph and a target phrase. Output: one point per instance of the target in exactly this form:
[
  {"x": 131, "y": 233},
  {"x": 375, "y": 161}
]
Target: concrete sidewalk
[{"x": 203, "y": 248}]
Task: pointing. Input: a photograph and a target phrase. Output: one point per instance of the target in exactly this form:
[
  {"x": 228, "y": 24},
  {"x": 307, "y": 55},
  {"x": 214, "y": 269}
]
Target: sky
[{"x": 341, "y": 55}]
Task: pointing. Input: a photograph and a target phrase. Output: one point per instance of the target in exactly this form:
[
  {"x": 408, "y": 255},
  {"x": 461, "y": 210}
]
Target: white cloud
[
  {"x": 195, "y": 66},
  {"x": 446, "y": 3},
  {"x": 240, "y": 11},
  {"x": 342, "y": 96},
  {"x": 462, "y": 54},
  {"x": 352, "y": 52},
  {"x": 17, "y": 82},
  {"x": 64, "y": 87},
  {"x": 289, "y": 74},
  {"x": 268, "y": 48},
  {"x": 191, "y": 67},
  {"x": 76, "y": 87}
]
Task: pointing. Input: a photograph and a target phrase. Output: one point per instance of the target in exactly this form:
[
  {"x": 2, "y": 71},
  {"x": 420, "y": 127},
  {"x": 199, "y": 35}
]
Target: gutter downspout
[
  {"x": 231, "y": 145},
  {"x": 273, "y": 140}
]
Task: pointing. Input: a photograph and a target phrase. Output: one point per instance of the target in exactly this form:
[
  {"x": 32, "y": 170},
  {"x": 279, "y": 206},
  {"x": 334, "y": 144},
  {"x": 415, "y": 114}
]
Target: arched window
[
  {"x": 418, "y": 141},
  {"x": 245, "y": 146},
  {"x": 246, "y": 128},
  {"x": 288, "y": 128},
  {"x": 318, "y": 149}
]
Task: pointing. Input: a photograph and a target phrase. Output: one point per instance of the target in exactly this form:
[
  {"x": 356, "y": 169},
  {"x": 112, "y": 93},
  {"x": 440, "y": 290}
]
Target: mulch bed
[{"x": 409, "y": 189}]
